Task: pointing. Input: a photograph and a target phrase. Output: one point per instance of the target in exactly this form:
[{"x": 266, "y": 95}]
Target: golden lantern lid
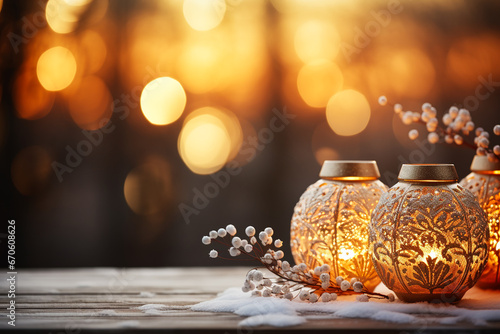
[
  {"x": 349, "y": 170},
  {"x": 428, "y": 173},
  {"x": 481, "y": 164}
]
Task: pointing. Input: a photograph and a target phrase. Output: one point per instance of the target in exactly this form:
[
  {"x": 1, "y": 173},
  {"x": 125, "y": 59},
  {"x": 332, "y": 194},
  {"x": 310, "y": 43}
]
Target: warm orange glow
[
  {"x": 410, "y": 72},
  {"x": 90, "y": 103},
  {"x": 200, "y": 66},
  {"x": 163, "y": 100},
  {"x": 316, "y": 40},
  {"x": 140, "y": 61},
  {"x": 93, "y": 50},
  {"x": 148, "y": 187},
  {"x": 325, "y": 153},
  {"x": 204, "y": 14},
  {"x": 30, "y": 99},
  {"x": 318, "y": 81},
  {"x": 204, "y": 144},
  {"x": 31, "y": 169},
  {"x": 479, "y": 52},
  {"x": 489, "y": 172},
  {"x": 352, "y": 178},
  {"x": 348, "y": 112},
  {"x": 56, "y": 68}
]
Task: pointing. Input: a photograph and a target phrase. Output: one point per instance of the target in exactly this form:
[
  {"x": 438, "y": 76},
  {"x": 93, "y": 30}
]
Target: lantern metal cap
[
  {"x": 428, "y": 173},
  {"x": 349, "y": 170},
  {"x": 481, "y": 164}
]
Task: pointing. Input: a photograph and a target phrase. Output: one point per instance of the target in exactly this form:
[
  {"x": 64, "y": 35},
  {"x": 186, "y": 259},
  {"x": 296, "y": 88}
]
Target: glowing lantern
[
  {"x": 429, "y": 235},
  {"x": 484, "y": 182},
  {"x": 330, "y": 221}
]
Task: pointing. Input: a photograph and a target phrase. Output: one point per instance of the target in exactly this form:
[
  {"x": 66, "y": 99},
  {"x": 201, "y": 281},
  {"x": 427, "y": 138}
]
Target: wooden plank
[
  {"x": 112, "y": 281},
  {"x": 56, "y": 300},
  {"x": 70, "y": 301}
]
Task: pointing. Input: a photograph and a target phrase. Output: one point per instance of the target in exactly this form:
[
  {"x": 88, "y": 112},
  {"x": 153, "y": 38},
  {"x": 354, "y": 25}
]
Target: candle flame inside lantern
[
  {"x": 432, "y": 254},
  {"x": 346, "y": 254}
]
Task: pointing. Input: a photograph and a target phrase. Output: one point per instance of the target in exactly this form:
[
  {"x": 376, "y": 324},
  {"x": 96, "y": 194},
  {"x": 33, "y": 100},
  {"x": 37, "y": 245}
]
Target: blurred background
[{"x": 129, "y": 129}]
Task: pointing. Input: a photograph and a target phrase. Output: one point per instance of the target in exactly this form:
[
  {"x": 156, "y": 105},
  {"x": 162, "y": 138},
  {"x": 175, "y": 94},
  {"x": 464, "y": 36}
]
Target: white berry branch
[
  {"x": 457, "y": 126},
  {"x": 290, "y": 281}
]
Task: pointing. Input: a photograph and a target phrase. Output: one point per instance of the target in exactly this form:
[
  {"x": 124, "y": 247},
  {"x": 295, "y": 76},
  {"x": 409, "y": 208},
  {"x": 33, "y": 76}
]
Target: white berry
[
  {"x": 496, "y": 149},
  {"x": 382, "y": 100},
  {"x": 496, "y": 130},
  {"x": 231, "y": 229},
  {"x": 413, "y": 134},
  {"x": 398, "y": 108},
  {"x": 458, "y": 140},
  {"x": 433, "y": 138},
  {"x": 222, "y": 232},
  {"x": 250, "y": 231}
]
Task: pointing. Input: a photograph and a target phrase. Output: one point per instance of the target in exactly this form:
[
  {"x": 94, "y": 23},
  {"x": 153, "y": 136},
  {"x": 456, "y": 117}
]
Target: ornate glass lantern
[
  {"x": 330, "y": 221},
  {"x": 484, "y": 182},
  {"x": 429, "y": 235}
]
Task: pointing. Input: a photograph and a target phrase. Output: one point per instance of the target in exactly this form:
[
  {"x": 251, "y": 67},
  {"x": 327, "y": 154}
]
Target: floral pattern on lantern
[
  {"x": 429, "y": 236},
  {"x": 484, "y": 182},
  {"x": 330, "y": 221}
]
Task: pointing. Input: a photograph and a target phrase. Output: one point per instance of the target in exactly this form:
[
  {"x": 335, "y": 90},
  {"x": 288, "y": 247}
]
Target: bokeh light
[
  {"x": 90, "y": 103},
  {"x": 93, "y": 51},
  {"x": 56, "y": 68},
  {"x": 163, "y": 100},
  {"x": 407, "y": 72},
  {"x": 348, "y": 112},
  {"x": 480, "y": 53},
  {"x": 231, "y": 123},
  {"x": 148, "y": 187},
  {"x": 62, "y": 15},
  {"x": 204, "y": 143},
  {"x": 318, "y": 81},
  {"x": 316, "y": 40},
  {"x": 325, "y": 153},
  {"x": 138, "y": 58},
  {"x": 31, "y": 169},
  {"x": 200, "y": 65},
  {"x": 31, "y": 100},
  {"x": 204, "y": 15}
]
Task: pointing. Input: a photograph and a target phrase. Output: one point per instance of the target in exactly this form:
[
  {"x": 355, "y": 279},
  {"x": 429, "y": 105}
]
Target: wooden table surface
[{"x": 105, "y": 300}]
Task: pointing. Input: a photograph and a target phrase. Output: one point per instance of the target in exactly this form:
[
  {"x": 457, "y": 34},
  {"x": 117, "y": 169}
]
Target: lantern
[
  {"x": 429, "y": 235},
  {"x": 330, "y": 221},
  {"x": 484, "y": 182}
]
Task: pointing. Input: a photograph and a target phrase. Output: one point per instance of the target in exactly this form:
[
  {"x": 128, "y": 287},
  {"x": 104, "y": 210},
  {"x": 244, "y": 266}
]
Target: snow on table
[{"x": 477, "y": 308}]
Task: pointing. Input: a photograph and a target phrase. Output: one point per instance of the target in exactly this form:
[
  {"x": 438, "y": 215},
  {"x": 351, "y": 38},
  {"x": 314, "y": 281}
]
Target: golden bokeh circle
[
  {"x": 163, "y": 100},
  {"x": 348, "y": 112},
  {"x": 56, "y": 68}
]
